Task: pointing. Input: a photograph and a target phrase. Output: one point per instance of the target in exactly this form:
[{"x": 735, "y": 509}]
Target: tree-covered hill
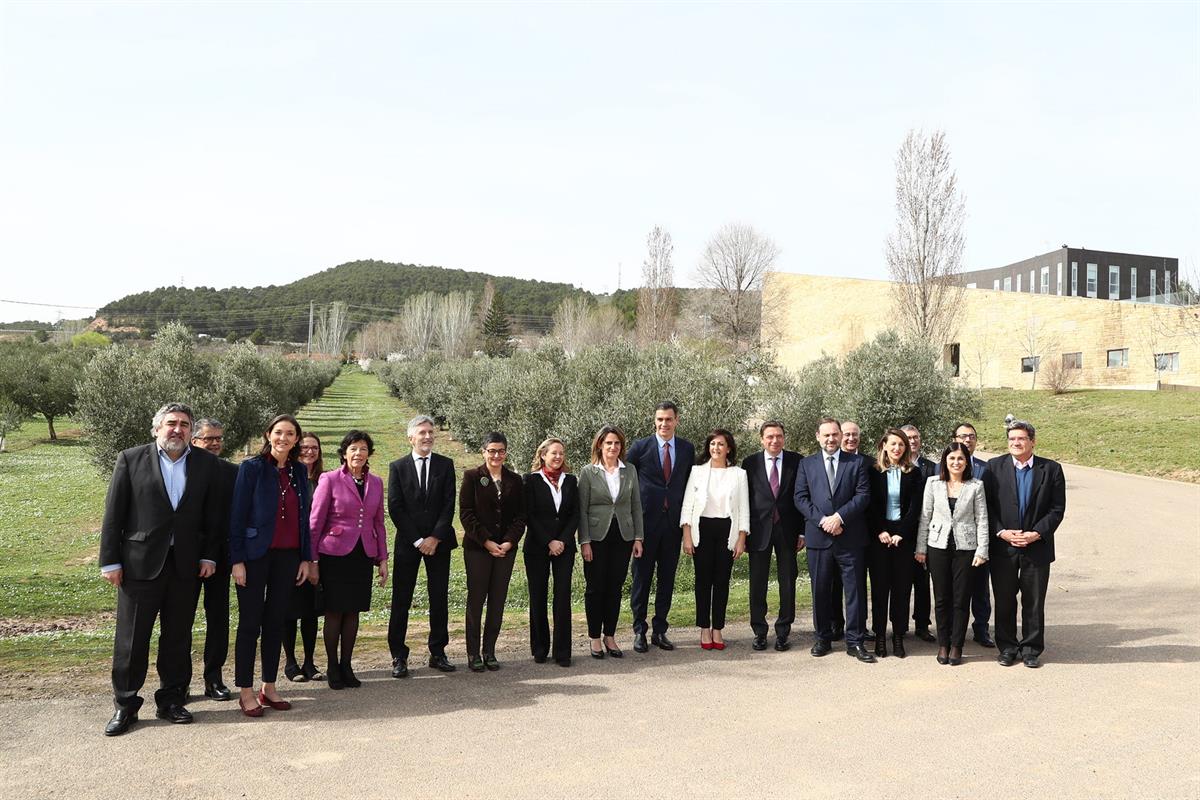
[{"x": 373, "y": 289}]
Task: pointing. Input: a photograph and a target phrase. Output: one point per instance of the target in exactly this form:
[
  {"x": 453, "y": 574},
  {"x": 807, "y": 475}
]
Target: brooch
[{"x": 485, "y": 480}]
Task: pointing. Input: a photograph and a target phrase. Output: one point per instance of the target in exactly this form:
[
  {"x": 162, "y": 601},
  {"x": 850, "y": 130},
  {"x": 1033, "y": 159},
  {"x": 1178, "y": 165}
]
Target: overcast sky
[{"x": 226, "y": 144}]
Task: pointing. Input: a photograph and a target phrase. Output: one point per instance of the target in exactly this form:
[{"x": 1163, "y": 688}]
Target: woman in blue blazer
[{"x": 269, "y": 547}]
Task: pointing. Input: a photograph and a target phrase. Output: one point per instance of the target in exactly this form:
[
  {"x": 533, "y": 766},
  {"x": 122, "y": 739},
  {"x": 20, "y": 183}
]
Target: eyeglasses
[
  {"x": 966, "y": 436},
  {"x": 496, "y": 453},
  {"x": 309, "y": 448},
  {"x": 212, "y": 439}
]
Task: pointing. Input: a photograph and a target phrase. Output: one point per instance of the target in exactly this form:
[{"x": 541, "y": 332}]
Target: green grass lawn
[{"x": 1145, "y": 433}]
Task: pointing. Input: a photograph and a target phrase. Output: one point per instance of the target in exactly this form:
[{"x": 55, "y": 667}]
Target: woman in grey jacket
[{"x": 953, "y": 538}]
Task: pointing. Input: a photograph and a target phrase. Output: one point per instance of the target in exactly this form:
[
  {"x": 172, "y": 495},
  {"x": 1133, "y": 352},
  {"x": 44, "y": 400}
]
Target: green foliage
[
  {"x": 123, "y": 387},
  {"x": 497, "y": 330},
  {"x": 257, "y": 337},
  {"x": 40, "y": 378},
  {"x": 90, "y": 339},
  {"x": 12, "y": 417}
]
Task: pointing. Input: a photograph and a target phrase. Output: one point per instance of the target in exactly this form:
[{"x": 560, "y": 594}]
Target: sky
[{"x": 219, "y": 144}]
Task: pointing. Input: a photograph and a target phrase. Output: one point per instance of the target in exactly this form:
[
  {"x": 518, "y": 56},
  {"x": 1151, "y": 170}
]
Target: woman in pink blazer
[{"x": 348, "y": 539}]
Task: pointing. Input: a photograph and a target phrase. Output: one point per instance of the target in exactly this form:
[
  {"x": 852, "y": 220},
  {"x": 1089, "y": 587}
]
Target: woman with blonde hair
[{"x": 551, "y": 519}]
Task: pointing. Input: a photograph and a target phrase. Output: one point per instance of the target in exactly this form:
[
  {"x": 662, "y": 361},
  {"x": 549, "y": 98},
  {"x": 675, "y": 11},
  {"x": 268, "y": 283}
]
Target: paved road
[{"x": 1112, "y": 714}]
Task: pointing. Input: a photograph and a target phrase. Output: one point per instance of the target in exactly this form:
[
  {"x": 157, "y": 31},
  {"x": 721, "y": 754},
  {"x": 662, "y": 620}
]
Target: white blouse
[
  {"x": 613, "y": 478},
  {"x": 720, "y": 491}
]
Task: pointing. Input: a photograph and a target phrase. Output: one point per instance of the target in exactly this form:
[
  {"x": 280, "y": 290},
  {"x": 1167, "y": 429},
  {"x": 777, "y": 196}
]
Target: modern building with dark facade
[{"x": 1078, "y": 272}]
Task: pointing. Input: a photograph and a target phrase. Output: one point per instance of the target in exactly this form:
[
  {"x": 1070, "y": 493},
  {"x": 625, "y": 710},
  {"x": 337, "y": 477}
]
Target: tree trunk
[{"x": 53, "y": 435}]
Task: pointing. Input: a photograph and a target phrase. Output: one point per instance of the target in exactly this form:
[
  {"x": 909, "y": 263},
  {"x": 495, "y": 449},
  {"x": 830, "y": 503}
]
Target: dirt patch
[{"x": 19, "y": 626}]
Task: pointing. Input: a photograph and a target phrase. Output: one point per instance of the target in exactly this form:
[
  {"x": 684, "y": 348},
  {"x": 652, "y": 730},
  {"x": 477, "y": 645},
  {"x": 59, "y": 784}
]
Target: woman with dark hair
[
  {"x": 270, "y": 552},
  {"x": 491, "y": 508},
  {"x": 610, "y": 532},
  {"x": 305, "y": 611},
  {"x": 551, "y": 518},
  {"x": 894, "y": 511},
  {"x": 953, "y": 537},
  {"x": 716, "y": 520},
  {"x": 348, "y": 539}
]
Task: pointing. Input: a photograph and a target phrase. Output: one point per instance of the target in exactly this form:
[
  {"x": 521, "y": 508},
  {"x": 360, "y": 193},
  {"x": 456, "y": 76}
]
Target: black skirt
[
  {"x": 307, "y": 600},
  {"x": 346, "y": 581}
]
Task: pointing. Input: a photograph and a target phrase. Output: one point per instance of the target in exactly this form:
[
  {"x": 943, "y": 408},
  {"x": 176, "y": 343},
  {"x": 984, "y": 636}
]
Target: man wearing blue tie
[{"x": 832, "y": 494}]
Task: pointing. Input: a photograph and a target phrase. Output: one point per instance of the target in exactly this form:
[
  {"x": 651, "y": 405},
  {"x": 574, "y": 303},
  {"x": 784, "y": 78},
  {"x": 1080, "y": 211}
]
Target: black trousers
[
  {"x": 404, "y": 584},
  {"x": 822, "y": 565},
  {"x": 215, "y": 589},
  {"x": 487, "y": 582},
  {"x": 921, "y": 603},
  {"x": 951, "y": 573},
  {"x": 171, "y": 599},
  {"x": 981, "y": 597},
  {"x": 760, "y": 573},
  {"x": 1014, "y": 573},
  {"x": 538, "y": 568},
  {"x": 605, "y": 579},
  {"x": 891, "y": 582},
  {"x": 262, "y": 608},
  {"x": 661, "y": 553},
  {"x": 713, "y": 563}
]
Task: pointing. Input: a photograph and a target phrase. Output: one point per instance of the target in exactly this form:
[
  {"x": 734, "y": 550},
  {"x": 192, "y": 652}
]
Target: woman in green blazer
[{"x": 610, "y": 531}]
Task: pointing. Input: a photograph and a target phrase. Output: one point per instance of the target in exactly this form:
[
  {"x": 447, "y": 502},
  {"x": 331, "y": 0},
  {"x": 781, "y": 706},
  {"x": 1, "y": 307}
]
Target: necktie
[
  {"x": 424, "y": 474},
  {"x": 829, "y": 472},
  {"x": 774, "y": 481},
  {"x": 666, "y": 464}
]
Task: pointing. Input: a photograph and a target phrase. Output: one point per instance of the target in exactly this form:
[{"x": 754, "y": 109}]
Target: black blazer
[
  {"x": 912, "y": 494},
  {"x": 1044, "y": 513},
  {"x": 484, "y": 515},
  {"x": 139, "y": 522},
  {"x": 226, "y": 476},
  {"x": 418, "y": 514},
  {"x": 543, "y": 522},
  {"x": 643, "y": 454},
  {"x": 763, "y": 504}
]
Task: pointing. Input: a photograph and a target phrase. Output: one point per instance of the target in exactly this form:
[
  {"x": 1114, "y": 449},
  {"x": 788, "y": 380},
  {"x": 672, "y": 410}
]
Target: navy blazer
[
  {"x": 1044, "y": 512},
  {"x": 850, "y": 498},
  {"x": 763, "y": 504},
  {"x": 657, "y": 517},
  {"x": 256, "y": 505}
]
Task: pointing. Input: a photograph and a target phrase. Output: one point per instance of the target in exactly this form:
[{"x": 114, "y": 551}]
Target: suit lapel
[{"x": 156, "y": 468}]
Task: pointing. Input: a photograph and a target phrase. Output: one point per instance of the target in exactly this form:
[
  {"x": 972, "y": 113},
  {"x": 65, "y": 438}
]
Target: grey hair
[
  {"x": 208, "y": 422},
  {"x": 170, "y": 408},
  {"x": 1022, "y": 425},
  {"x": 418, "y": 421},
  {"x": 910, "y": 427}
]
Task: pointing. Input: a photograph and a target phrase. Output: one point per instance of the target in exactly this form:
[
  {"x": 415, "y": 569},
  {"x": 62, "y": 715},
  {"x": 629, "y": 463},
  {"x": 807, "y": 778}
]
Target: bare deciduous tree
[
  {"x": 1037, "y": 344},
  {"x": 924, "y": 252},
  {"x": 418, "y": 319},
  {"x": 579, "y": 324},
  {"x": 733, "y": 265},
  {"x": 454, "y": 324},
  {"x": 656, "y": 298},
  {"x": 332, "y": 328}
]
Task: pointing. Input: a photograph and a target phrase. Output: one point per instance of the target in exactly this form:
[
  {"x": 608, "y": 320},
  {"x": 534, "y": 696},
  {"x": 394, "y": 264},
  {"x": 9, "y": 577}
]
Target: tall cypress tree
[{"x": 497, "y": 329}]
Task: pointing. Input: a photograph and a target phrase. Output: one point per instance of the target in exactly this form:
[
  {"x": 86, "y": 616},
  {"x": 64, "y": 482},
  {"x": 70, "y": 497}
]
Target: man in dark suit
[
  {"x": 1027, "y": 497},
  {"x": 851, "y": 440},
  {"x": 210, "y": 435},
  {"x": 159, "y": 535},
  {"x": 832, "y": 495},
  {"x": 421, "y": 505},
  {"x": 775, "y": 526},
  {"x": 922, "y": 599},
  {"x": 981, "y": 595},
  {"x": 663, "y": 462}
]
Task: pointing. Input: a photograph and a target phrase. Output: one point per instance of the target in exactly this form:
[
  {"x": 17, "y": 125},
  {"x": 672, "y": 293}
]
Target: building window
[
  {"x": 1074, "y": 278},
  {"x": 1072, "y": 360},
  {"x": 1008, "y": 283},
  {"x": 1030, "y": 363},
  {"x": 971, "y": 286},
  {"x": 1166, "y": 362},
  {"x": 950, "y": 358},
  {"x": 1118, "y": 358},
  {"x": 1167, "y": 285},
  {"x": 996, "y": 284},
  {"x": 1114, "y": 282},
  {"x": 1019, "y": 276},
  {"x": 1092, "y": 280},
  {"x": 1133, "y": 295},
  {"x": 1032, "y": 285},
  {"x": 1045, "y": 280},
  {"x": 1153, "y": 286},
  {"x": 1060, "y": 282}
]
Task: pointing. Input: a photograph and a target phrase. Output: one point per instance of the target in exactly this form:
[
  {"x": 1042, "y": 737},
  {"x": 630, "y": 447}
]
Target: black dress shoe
[
  {"x": 596, "y": 653},
  {"x": 898, "y": 645},
  {"x": 348, "y": 677},
  {"x": 881, "y": 646},
  {"x": 563, "y": 662},
  {"x": 539, "y": 659},
  {"x": 120, "y": 722},
  {"x": 942, "y": 657},
  {"x": 821, "y": 647},
  {"x": 292, "y": 672},
  {"x": 639, "y": 643},
  {"x": 399, "y": 667},
  {"x": 759, "y": 643},
  {"x": 615, "y": 652},
  {"x": 1032, "y": 661},
  {"x": 984, "y": 639},
  {"x": 1007, "y": 659},
  {"x": 783, "y": 645},
  {"x": 174, "y": 713},
  {"x": 490, "y": 663},
  {"x": 441, "y": 663},
  {"x": 311, "y": 672},
  {"x": 955, "y": 658},
  {"x": 475, "y": 664},
  {"x": 861, "y": 653},
  {"x": 217, "y": 690},
  {"x": 839, "y": 633},
  {"x": 924, "y": 635},
  {"x": 661, "y": 641},
  {"x": 334, "y": 676}
]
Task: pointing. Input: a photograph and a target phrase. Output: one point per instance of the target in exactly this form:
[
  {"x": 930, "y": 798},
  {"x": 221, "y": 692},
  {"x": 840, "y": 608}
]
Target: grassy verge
[{"x": 1144, "y": 433}]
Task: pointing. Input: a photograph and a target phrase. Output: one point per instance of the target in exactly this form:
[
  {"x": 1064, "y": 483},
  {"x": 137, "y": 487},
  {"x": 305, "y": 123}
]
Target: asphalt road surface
[{"x": 1113, "y": 713}]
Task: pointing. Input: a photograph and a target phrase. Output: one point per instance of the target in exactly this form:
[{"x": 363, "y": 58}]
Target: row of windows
[
  {"x": 1092, "y": 277},
  {"x": 1163, "y": 362}
]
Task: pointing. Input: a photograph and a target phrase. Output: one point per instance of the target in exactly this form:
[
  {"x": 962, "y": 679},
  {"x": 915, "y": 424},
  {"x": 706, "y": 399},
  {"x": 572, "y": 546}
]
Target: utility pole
[
  {"x": 310, "y": 326},
  {"x": 619, "y": 265}
]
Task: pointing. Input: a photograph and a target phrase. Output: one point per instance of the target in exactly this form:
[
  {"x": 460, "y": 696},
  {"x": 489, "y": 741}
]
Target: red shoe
[
  {"x": 706, "y": 645},
  {"x": 278, "y": 705},
  {"x": 718, "y": 645},
  {"x": 257, "y": 711}
]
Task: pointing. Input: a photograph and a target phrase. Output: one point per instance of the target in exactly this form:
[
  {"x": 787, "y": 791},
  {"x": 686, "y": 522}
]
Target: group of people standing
[{"x": 301, "y": 543}]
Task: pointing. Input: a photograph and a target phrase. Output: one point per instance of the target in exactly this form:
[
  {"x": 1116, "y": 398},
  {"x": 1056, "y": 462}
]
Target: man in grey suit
[{"x": 981, "y": 595}]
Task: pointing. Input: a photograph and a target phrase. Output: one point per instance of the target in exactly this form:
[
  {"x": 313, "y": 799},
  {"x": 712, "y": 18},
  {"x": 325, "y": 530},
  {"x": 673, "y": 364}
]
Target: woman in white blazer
[
  {"x": 715, "y": 517},
  {"x": 953, "y": 538}
]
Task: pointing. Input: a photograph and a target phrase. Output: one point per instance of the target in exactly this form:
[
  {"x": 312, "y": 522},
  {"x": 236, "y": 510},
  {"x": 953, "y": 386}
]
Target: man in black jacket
[
  {"x": 922, "y": 600},
  {"x": 159, "y": 535},
  {"x": 421, "y": 505}
]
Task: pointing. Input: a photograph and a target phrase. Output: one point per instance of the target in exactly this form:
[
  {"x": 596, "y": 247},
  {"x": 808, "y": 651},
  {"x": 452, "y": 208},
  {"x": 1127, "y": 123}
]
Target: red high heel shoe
[{"x": 278, "y": 705}]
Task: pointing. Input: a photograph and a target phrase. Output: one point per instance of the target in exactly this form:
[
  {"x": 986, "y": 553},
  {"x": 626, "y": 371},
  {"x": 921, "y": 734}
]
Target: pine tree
[{"x": 497, "y": 329}]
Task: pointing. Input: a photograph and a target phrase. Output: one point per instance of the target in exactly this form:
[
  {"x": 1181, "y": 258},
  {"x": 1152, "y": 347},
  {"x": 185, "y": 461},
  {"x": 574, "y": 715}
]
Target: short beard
[{"x": 173, "y": 446}]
